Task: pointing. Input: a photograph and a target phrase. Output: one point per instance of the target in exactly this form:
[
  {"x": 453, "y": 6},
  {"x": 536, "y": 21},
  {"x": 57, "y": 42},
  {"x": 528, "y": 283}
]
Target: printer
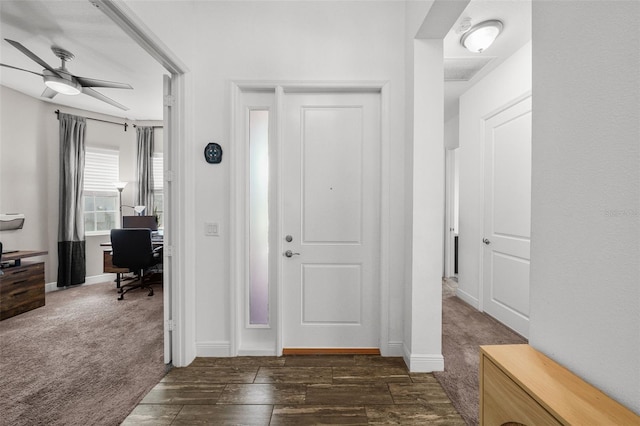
[{"x": 11, "y": 221}]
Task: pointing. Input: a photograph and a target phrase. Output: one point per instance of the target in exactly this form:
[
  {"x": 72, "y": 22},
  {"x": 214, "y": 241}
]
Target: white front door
[
  {"x": 507, "y": 216},
  {"x": 331, "y": 215}
]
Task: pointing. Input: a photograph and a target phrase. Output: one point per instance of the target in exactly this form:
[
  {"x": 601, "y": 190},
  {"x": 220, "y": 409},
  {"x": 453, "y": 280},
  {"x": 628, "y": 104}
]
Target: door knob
[
  {"x": 289, "y": 253},
  {"x": 486, "y": 241}
]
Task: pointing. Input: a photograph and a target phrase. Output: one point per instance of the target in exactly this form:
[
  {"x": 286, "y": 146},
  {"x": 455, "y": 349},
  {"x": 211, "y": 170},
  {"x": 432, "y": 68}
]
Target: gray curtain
[
  {"x": 145, "y": 169},
  {"x": 71, "y": 243}
]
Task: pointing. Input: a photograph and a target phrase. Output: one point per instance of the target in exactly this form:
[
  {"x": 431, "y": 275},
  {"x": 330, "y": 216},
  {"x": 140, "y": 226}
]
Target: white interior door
[
  {"x": 331, "y": 204},
  {"x": 507, "y": 216}
]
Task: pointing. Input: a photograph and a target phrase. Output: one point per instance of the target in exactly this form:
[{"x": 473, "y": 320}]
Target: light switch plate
[{"x": 211, "y": 229}]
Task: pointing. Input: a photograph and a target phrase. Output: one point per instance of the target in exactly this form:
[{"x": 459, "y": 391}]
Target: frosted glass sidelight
[{"x": 258, "y": 217}]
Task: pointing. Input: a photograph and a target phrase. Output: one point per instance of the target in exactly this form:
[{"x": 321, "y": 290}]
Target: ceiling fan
[{"x": 60, "y": 80}]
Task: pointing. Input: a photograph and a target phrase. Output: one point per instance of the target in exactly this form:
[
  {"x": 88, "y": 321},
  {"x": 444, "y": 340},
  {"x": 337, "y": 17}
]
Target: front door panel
[{"x": 331, "y": 174}]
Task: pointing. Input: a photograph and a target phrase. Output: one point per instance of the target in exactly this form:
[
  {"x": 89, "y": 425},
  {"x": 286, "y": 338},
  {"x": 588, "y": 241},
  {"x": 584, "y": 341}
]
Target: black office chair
[{"x": 132, "y": 249}]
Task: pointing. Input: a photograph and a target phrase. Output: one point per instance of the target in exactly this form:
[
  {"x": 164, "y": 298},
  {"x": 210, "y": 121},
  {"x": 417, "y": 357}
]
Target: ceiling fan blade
[
  {"x": 20, "y": 69},
  {"x": 100, "y": 96},
  {"x": 32, "y": 55},
  {"x": 92, "y": 82},
  {"x": 49, "y": 93}
]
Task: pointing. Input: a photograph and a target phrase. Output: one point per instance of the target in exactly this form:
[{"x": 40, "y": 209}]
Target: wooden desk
[
  {"x": 22, "y": 284},
  {"x": 17, "y": 256},
  {"x": 107, "y": 258},
  {"x": 107, "y": 262}
]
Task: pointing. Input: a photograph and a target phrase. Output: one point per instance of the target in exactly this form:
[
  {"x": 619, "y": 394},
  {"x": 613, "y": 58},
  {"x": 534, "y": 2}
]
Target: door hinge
[
  {"x": 171, "y": 325},
  {"x": 169, "y": 100},
  {"x": 169, "y": 175},
  {"x": 168, "y": 250}
]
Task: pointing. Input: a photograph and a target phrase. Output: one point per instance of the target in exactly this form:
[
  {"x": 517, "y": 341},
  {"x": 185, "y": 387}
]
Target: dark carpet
[
  {"x": 464, "y": 330},
  {"x": 84, "y": 358}
]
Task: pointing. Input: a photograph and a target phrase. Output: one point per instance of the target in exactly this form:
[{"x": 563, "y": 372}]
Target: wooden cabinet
[
  {"x": 519, "y": 385},
  {"x": 504, "y": 401},
  {"x": 21, "y": 289}
]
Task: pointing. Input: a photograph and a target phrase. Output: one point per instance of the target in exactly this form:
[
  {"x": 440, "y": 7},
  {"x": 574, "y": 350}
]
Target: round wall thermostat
[{"x": 213, "y": 153}]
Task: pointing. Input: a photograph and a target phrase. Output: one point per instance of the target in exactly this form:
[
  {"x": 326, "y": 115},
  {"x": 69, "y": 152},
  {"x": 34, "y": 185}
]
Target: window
[
  {"x": 158, "y": 187},
  {"x": 100, "y": 197},
  {"x": 259, "y": 217}
]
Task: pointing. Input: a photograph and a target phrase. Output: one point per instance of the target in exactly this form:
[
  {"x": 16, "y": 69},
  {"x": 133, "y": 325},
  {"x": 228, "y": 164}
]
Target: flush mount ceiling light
[{"x": 481, "y": 36}]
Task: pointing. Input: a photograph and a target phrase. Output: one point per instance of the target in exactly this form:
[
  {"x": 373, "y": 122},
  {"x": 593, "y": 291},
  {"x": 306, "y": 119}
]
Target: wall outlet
[{"x": 211, "y": 229}]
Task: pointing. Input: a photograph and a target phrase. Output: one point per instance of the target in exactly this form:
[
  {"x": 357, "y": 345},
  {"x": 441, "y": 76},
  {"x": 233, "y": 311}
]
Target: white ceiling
[{"x": 103, "y": 51}]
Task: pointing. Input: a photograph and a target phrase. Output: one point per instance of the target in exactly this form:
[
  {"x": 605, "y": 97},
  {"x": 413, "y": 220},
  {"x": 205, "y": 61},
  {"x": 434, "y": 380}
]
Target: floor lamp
[{"x": 120, "y": 186}]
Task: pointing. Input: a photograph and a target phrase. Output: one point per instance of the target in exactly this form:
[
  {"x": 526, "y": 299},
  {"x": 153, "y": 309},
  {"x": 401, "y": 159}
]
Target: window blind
[
  {"x": 101, "y": 170},
  {"x": 158, "y": 173}
]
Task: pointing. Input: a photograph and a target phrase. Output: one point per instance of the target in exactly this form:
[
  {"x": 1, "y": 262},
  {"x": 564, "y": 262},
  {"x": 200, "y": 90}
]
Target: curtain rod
[
  {"x": 153, "y": 127},
  {"x": 57, "y": 112}
]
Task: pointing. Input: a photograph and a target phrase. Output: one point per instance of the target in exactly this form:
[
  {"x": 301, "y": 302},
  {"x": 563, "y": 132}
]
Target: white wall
[
  {"x": 452, "y": 132},
  {"x": 508, "y": 81},
  {"x": 585, "y": 249},
  {"x": 29, "y": 170},
  {"x": 452, "y": 142},
  {"x": 222, "y": 42},
  {"x": 27, "y": 146}
]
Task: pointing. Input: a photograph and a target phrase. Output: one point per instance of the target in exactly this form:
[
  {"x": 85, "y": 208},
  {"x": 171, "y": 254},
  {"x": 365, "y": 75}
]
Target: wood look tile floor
[{"x": 296, "y": 390}]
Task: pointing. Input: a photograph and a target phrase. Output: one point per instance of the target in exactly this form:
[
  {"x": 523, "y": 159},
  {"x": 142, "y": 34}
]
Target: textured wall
[{"x": 585, "y": 252}]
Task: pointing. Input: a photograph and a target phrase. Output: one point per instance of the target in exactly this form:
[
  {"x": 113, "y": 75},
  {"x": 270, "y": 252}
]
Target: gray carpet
[
  {"x": 82, "y": 359},
  {"x": 464, "y": 330}
]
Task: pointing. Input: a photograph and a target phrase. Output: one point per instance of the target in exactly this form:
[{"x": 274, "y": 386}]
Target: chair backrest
[{"x": 132, "y": 248}]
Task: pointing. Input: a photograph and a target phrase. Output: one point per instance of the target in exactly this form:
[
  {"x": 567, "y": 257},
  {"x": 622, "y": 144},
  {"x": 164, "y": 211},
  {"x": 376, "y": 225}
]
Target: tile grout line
[{"x": 177, "y": 414}]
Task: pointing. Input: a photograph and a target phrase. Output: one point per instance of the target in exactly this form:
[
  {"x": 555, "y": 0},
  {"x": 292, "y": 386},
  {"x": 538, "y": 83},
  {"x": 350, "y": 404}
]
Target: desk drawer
[
  {"x": 21, "y": 289},
  {"x": 107, "y": 263}
]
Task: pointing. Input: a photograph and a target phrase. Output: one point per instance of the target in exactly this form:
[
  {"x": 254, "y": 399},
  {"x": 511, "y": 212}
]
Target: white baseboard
[
  {"x": 423, "y": 363},
  {"x": 469, "y": 299},
  {"x": 223, "y": 349},
  {"x": 256, "y": 352},
  {"x": 95, "y": 279},
  {"x": 393, "y": 349},
  {"x": 213, "y": 349}
]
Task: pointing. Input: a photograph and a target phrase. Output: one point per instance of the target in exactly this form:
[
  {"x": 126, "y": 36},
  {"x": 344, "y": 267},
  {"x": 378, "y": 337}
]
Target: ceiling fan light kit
[
  {"x": 60, "y": 80},
  {"x": 481, "y": 35},
  {"x": 61, "y": 85}
]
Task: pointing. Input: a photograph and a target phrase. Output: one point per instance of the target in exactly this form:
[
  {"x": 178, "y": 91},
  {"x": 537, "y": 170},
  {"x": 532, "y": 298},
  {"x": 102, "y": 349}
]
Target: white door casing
[
  {"x": 507, "y": 215},
  {"x": 256, "y": 339},
  {"x": 167, "y": 302},
  {"x": 331, "y": 208}
]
